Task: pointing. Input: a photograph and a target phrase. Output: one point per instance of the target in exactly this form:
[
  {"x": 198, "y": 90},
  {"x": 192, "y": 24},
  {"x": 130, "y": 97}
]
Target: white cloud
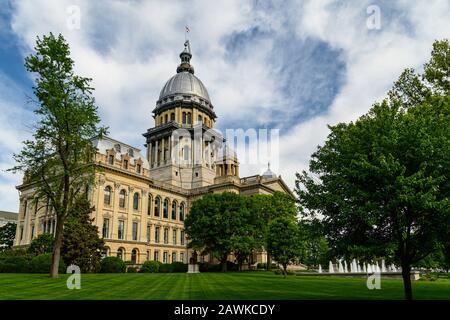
[
  {"x": 374, "y": 60},
  {"x": 131, "y": 48}
]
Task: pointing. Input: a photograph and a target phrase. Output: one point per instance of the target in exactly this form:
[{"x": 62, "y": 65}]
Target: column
[
  {"x": 163, "y": 156},
  {"x": 156, "y": 153},
  {"x": 169, "y": 147}
]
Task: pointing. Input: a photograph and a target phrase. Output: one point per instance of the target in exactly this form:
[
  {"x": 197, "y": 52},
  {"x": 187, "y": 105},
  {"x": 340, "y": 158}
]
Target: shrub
[
  {"x": 150, "y": 267},
  {"x": 131, "y": 270},
  {"x": 179, "y": 267},
  {"x": 42, "y": 244},
  {"x": 209, "y": 267},
  {"x": 165, "y": 268},
  {"x": 232, "y": 266},
  {"x": 112, "y": 265},
  {"x": 14, "y": 264},
  {"x": 42, "y": 264}
]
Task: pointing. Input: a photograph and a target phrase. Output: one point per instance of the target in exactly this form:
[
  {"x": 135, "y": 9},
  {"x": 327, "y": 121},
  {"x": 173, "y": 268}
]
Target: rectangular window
[
  {"x": 135, "y": 231},
  {"x": 166, "y": 235},
  {"x": 182, "y": 237},
  {"x": 156, "y": 255},
  {"x": 182, "y": 257},
  {"x": 105, "y": 231},
  {"x": 125, "y": 164},
  {"x": 121, "y": 230},
  {"x": 165, "y": 257},
  {"x": 111, "y": 159},
  {"x": 174, "y": 256},
  {"x": 21, "y": 233},
  {"x": 148, "y": 255},
  {"x": 32, "y": 231},
  {"x": 157, "y": 234},
  {"x": 174, "y": 236},
  {"x": 148, "y": 233}
]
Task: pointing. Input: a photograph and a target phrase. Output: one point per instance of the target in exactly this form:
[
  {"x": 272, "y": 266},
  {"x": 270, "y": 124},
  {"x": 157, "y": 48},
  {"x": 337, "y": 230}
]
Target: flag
[{"x": 187, "y": 29}]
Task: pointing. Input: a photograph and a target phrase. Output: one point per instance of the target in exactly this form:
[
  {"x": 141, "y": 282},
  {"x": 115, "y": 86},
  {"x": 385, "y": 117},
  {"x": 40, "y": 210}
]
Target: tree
[
  {"x": 57, "y": 162},
  {"x": 284, "y": 241},
  {"x": 82, "y": 245},
  {"x": 7, "y": 234},
  {"x": 270, "y": 207},
  {"x": 213, "y": 222},
  {"x": 315, "y": 248},
  {"x": 381, "y": 183},
  {"x": 43, "y": 243}
]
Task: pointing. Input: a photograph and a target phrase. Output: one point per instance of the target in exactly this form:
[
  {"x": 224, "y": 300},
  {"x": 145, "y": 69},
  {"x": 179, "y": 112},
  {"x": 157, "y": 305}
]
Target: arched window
[
  {"x": 199, "y": 118},
  {"x": 172, "y": 116},
  {"x": 122, "y": 196},
  {"x": 174, "y": 210},
  {"x": 189, "y": 118},
  {"x": 120, "y": 253},
  {"x": 134, "y": 254},
  {"x": 107, "y": 195},
  {"x": 136, "y": 201},
  {"x": 166, "y": 118},
  {"x": 184, "y": 117},
  {"x": 166, "y": 209},
  {"x": 182, "y": 212},
  {"x": 149, "y": 208},
  {"x": 157, "y": 206}
]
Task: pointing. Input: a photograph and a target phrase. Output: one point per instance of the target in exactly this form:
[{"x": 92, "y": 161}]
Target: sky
[{"x": 294, "y": 66}]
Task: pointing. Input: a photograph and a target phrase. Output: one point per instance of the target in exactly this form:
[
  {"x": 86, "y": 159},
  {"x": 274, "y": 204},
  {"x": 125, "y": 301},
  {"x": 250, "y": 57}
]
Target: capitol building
[{"x": 142, "y": 197}]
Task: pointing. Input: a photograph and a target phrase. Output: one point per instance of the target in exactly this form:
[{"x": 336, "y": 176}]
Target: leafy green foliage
[
  {"x": 380, "y": 184},
  {"x": 82, "y": 246},
  {"x": 314, "y": 249},
  {"x": 42, "y": 263},
  {"x": 284, "y": 241},
  {"x": 7, "y": 234},
  {"x": 150, "y": 267},
  {"x": 43, "y": 243},
  {"x": 178, "y": 267},
  {"x": 56, "y": 161},
  {"x": 15, "y": 264},
  {"x": 112, "y": 265},
  {"x": 229, "y": 223},
  {"x": 220, "y": 223}
]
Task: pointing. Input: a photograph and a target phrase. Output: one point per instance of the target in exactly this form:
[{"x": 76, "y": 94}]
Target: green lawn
[{"x": 233, "y": 285}]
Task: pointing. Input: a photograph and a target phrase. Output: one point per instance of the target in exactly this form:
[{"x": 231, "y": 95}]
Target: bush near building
[{"x": 112, "y": 265}]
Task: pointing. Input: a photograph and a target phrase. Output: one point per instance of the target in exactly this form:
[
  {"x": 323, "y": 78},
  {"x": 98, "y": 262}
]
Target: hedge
[
  {"x": 150, "y": 267},
  {"x": 42, "y": 264},
  {"x": 112, "y": 265}
]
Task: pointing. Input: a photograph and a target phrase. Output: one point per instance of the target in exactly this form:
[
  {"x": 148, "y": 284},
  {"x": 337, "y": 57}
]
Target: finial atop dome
[
  {"x": 269, "y": 173},
  {"x": 185, "y": 57}
]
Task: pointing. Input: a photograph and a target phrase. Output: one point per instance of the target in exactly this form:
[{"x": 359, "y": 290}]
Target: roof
[{"x": 107, "y": 143}]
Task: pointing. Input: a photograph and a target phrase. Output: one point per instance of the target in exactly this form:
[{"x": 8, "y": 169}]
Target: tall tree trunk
[
  {"x": 269, "y": 262},
  {"x": 57, "y": 247},
  {"x": 223, "y": 264},
  {"x": 285, "y": 270},
  {"x": 406, "y": 274}
]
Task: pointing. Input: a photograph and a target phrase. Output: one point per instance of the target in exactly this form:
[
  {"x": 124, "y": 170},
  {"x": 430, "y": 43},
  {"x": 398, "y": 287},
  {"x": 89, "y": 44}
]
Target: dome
[
  {"x": 184, "y": 83},
  {"x": 185, "y": 87}
]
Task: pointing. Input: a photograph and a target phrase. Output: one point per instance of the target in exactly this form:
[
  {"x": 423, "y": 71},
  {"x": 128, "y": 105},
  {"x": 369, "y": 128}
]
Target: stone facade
[{"x": 141, "y": 200}]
